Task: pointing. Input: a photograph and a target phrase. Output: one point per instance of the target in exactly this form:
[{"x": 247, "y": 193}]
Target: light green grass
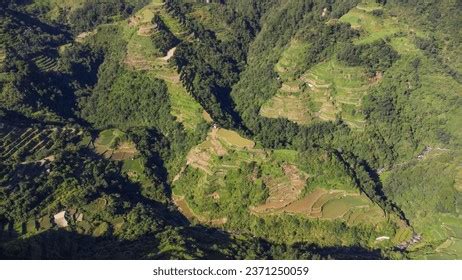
[
  {"x": 234, "y": 139},
  {"x": 404, "y": 46},
  {"x": 133, "y": 165},
  {"x": 173, "y": 24},
  {"x": 107, "y": 137},
  {"x": 142, "y": 47},
  {"x": 204, "y": 14},
  {"x": 324, "y": 199},
  {"x": 376, "y": 27},
  {"x": 345, "y": 86},
  {"x": 184, "y": 107},
  {"x": 294, "y": 107},
  {"x": 285, "y": 155}
]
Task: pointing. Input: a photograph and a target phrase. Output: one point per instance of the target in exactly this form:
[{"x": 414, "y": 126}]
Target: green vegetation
[
  {"x": 163, "y": 38},
  {"x": 234, "y": 139},
  {"x": 189, "y": 130},
  {"x": 93, "y": 13},
  {"x": 226, "y": 186}
]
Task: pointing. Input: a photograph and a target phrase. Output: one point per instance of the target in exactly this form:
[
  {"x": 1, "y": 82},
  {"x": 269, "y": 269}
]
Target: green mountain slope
[{"x": 194, "y": 130}]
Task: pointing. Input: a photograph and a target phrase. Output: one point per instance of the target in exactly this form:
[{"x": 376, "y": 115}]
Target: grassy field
[
  {"x": 294, "y": 107},
  {"x": 55, "y": 7},
  {"x": 405, "y": 46},
  {"x": 142, "y": 55},
  {"x": 374, "y": 27},
  {"x": 135, "y": 171},
  {"x": 335, "y": 209},
  {"x": 331, "y": 90},
  {"x": 112, "y": 144},
  {"x": 458, "y": 180}
]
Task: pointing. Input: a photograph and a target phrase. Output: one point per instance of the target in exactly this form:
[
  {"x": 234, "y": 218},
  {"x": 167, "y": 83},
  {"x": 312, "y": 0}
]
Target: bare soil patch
[{"x": 283, "y": 191}]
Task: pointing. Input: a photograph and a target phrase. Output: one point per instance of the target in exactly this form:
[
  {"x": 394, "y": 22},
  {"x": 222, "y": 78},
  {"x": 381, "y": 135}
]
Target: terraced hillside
[
  {"x": 325, "y": 92},
  {"x": 2, "y": 57},
  {"x": 55, "y": 7},
  {"x": 31, "y": 144},
  {"x": 142, "y": 55},
  {"x": 227, "y": 182},
  {"x": 439, "y": 228},
  {"x": 375, "y": 26},
  {"x": 178, "y": 129},
  {"x": 46, "y": 63}
]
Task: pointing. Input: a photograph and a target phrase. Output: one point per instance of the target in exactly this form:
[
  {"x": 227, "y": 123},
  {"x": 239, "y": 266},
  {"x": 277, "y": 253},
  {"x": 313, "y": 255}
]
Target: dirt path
[
  {"x": 42, "y": 161},
  {"x": 169, "y": 55}
]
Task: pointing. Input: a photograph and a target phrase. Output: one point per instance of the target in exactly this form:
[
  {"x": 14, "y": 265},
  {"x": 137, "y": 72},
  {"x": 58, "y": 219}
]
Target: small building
[{"x": 60, "y": 219}]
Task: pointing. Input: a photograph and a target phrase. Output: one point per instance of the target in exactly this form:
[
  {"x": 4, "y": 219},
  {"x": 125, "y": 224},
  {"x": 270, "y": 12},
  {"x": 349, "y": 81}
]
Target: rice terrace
[{"x": 219, "y": 129}]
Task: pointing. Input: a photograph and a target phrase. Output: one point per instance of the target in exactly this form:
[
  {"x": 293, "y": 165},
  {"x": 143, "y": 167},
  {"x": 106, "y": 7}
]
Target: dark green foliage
[
  {"x": 94, "y": 12},
  {"x": 376, "y": 57},
  {"x": 424, "y": 188},
  {"x": 209, "y": 68},
  {"x": 29, "y": 88},
  {"x": 431, "y": 48},
  {"x": 47, "y": 79},
  {"x": 163, "y": 38}
]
